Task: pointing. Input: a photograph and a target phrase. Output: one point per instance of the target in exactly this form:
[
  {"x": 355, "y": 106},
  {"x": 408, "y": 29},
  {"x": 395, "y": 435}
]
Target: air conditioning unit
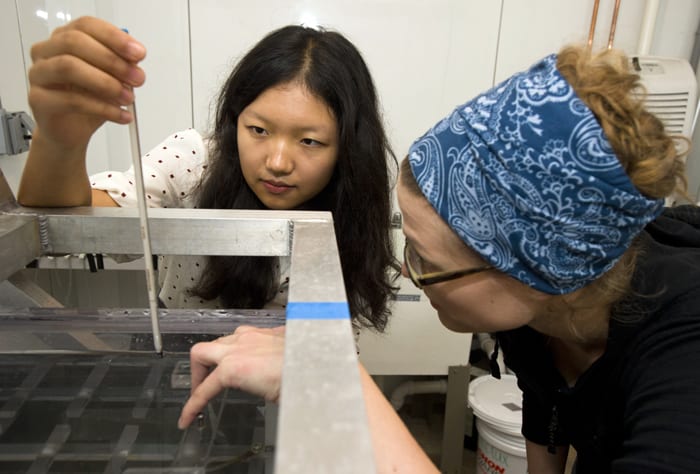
[{"x": 671, "y": 91}]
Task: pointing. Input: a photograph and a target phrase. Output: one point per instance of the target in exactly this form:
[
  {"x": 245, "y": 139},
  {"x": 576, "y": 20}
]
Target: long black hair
[{"x": 358, "y": 194}]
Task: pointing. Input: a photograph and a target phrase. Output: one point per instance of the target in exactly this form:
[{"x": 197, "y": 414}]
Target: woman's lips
[{"x": 276, "y": 187}]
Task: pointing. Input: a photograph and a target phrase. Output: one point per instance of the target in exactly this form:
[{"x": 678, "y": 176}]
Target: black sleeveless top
[{"x": 637, "y": 408}]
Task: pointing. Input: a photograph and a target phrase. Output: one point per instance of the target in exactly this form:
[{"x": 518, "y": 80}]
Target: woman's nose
[{"x": 279, "y": 159}]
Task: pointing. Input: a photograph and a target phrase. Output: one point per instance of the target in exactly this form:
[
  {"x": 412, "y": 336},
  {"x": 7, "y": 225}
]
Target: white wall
[{"x": 414, "y": 49}]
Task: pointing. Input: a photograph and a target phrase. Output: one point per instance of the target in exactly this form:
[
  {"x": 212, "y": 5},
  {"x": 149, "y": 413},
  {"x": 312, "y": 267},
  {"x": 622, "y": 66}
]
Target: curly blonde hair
[{"x": 653, "y": 160}]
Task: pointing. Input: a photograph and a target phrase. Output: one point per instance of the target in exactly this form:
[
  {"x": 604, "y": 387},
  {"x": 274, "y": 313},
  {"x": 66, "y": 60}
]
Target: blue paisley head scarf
[{"x": 526, "y": 177}]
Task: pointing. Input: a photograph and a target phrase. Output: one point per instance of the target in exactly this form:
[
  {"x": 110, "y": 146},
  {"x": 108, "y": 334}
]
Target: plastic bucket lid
[{"x": 497, "y": 402}]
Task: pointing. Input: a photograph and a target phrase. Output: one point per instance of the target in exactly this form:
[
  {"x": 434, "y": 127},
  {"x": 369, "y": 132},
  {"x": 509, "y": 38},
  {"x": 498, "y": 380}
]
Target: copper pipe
[
  {"x": 594, "y": 20},
  {"x": 614, "y": 24}
]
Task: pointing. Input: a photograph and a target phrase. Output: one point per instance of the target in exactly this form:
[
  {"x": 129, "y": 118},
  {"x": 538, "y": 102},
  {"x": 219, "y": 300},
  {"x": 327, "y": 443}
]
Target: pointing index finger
[{"x": 208, "y": 389}]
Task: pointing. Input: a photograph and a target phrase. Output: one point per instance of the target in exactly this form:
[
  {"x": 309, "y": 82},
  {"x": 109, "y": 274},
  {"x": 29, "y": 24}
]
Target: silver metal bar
[
  {"x": 133, "y": 321},
  {"x": 44, "y": 330},
  {"x": 33, "y": 291},
  {"x": 9, "y": 410},
  {"x": 173, "y": 231},
  {"x": 76, "y": 407},
  {"x": 321, "y": 388},
  {"x": 122, "y": 448},
  {"x": 151, "y": 284},
  {"x": 53, "y": 445},
  {"x": 455, "y": 414},
  {"x": 90, "y": 341},
  {"x": 148, "y": 392}
]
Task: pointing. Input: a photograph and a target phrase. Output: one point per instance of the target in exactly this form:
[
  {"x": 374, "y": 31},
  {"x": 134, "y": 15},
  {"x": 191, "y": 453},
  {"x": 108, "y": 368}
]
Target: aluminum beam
[
  {"x": 173, "y": 231},
  {"x": 321, "y": 388}
]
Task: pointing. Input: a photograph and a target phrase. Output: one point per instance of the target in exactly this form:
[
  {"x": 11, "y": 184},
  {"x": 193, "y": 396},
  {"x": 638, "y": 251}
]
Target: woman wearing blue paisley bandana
[
  {"x": 535, "y": 212},
  {"x": 550, "y": 187}
]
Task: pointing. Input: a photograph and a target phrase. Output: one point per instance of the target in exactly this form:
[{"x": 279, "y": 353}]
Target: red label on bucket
[{"x": 486, "y": 465}]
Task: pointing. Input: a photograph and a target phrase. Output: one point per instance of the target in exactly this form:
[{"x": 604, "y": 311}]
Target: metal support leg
[
  {"x": 455, "y": 415},
  {"x": 271, "y": 415},
  {"x": 33, "y": 292}
]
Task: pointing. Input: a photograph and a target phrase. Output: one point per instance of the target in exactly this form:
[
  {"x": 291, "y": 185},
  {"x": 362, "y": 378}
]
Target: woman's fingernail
[
  {"x": 135, "y": 76},
  {"x": 135, "y": 50},
  {"x": 126, "y": 97},
  {"x": 125, "y": 116}
]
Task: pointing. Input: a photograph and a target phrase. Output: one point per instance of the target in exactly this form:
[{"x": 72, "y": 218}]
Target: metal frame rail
[{"x": 322, "y": 418}]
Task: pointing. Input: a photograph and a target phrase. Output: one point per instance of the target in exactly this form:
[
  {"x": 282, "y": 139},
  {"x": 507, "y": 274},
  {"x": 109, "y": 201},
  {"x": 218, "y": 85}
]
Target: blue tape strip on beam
[{"x": 318, "y": 311}]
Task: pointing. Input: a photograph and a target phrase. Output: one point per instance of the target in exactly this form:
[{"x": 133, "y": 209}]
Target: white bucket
[{"x": 497, "y": 405}]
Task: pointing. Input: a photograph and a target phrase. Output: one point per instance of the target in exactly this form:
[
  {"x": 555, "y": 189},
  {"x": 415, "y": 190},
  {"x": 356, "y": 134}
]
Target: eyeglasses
[{"x": 413, "y": 265}]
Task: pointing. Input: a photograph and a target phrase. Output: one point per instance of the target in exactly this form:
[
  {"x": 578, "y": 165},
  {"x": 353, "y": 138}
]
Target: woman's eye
[
  {"x": 310, "y": 142},
  {"x": 257, "y": 130}
]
